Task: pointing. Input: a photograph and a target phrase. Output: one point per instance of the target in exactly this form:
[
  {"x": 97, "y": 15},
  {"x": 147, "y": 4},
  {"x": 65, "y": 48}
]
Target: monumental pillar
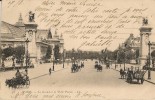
[
  {"x": 0, "y": 30},
  {"x": 145, "y": 32},
  {"x": 31, "y": 29}
]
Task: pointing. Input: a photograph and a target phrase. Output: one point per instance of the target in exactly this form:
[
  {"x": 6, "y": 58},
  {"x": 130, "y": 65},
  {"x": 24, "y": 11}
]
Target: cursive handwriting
[
  {"x": 13, "y": 3},
  {"x": 56, "y": 94},
  {"x": 87, "y": 20}
]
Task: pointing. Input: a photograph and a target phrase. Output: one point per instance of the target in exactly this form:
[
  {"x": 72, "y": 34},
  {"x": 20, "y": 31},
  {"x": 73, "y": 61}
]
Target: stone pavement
[{"x": 152, "y": 80}]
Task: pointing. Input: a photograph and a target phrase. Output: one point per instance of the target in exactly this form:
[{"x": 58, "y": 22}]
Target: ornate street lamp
[
  {"x": 124, "y": 55},
  {"x": 3, "y": 65},
  {"x": 53, "y": 58},
  {"x": 149, "y": 55},
  {"x": 13, "y": 60},
  {"x": 27, "y": 52},
  {"x": 124, "y": 58},
  {"x": 63, "y": 57}
]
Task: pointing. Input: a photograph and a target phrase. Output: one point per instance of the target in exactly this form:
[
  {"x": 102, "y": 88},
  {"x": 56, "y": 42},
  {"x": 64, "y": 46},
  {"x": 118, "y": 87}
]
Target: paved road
[{"x": 107, "y": 82}]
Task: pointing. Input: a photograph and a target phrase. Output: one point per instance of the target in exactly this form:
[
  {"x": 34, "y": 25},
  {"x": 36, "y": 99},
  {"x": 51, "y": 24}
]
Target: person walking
[{"x": 50, "y": 71}]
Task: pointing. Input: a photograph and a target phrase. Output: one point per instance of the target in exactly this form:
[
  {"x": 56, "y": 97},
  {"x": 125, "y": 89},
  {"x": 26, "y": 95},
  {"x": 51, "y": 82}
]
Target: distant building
[
  {"x": 132, "y": 42},
  {"x": 14, "y": 35}
]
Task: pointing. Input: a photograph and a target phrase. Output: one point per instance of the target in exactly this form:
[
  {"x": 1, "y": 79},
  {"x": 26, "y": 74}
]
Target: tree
[
  {"x": 121, "y": 56},
  {"x": 137, "y": 55},
  {"x": 48, "y": 52},
  {"x": 0, "y": 51},
  {"x": 56, "y": 52},
  {"x": 8, "y": 52},
  {"x": 19, "y": 53},
  {"x": 115, "y": 54},
  {"x": 153, "y": 56},
  {"x": 128, "y": 55}
]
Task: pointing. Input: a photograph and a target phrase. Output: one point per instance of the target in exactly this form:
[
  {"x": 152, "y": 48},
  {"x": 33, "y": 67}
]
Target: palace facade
[{"x": 38, "y": 39}]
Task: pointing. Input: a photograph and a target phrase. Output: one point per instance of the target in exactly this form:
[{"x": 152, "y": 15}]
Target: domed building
[{"x": 34, "y": 40}]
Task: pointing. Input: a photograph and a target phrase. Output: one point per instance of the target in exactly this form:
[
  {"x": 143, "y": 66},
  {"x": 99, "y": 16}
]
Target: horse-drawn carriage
[
  {"x": 98, "y": 66},
  {"x": 16, "y": 82},
  {"x": 135, "y": 75},
  {"x": 75, "y": 68},
  {"x": 132, "y": 75},
  {"x": 123, "y": 73}
]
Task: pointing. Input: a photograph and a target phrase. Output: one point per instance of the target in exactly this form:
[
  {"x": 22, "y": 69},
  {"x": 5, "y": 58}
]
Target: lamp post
[
  {"x": 3, "y": 65},
  {"x": 53, "y": 58},
  {"x": 124, "y": 59},
  {"x": 116, "y": 59},
  {"x": 149, "y": 55},
  {"x": 125, "y": 45},
  {"x": 27, "y": 52},
  {"x": 0, "y": 31},
  {"x": 13, "y": 60},
  {"x": 63, "y": 58}
]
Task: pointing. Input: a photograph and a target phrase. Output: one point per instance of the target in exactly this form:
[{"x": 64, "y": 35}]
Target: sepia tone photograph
[{"x": 77, "y": 50}]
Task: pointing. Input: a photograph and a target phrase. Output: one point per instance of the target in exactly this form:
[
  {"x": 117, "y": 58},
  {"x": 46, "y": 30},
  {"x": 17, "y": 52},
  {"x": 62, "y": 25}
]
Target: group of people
[
  {"x": 107, "y": 64},
  {"x": 18, "y": 74},
  {"x": 131, "y": 70},
  {"x": 76, "y": 66}
]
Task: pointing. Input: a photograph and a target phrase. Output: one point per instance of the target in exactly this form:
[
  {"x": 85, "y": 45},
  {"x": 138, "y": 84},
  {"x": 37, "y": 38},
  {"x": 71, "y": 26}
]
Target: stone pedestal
[
  {"x": 145, "y": 32},
  {"x": 39, "y": 54}
]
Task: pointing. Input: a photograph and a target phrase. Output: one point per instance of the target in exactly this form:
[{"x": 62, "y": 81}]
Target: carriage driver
[{"x": 18, "y": 74}]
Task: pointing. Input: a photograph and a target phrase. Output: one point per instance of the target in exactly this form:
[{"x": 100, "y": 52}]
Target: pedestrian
[{"x": 50, "y": 71}]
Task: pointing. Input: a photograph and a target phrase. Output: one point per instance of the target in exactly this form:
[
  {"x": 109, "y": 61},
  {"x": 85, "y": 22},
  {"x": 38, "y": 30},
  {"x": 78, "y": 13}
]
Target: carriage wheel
[
  {"x": 137, "y": 80},
  {"x": 128, "y": 80},
  {"x": 125, "y": 76},
  {"x": 27, "y": 82},
  {"x": 131, "y": 80}
]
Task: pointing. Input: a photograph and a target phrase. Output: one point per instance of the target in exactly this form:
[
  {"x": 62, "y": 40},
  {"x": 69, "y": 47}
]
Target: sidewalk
[
  {"x": 36, "y": 72},
  {"x": 152, "y": 80},
  {"x": 43, "y": 69}
]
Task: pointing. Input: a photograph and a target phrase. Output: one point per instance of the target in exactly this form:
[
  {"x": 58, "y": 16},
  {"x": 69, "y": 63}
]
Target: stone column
[
  {"x": 31, "y": 29},
  {"x": 0, "y": 30},
  {"x": 38, "y": 53},
  {"x": 145, "y": 32}
]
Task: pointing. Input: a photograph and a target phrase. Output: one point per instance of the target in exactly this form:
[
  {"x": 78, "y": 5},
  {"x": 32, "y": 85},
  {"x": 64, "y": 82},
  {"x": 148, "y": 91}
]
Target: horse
[
  {"x": 123, "y": 73},
  {"x": 74, "y": 68},
  {"x": 99, "y": 68},
  {"x": 108, "y": 66}
]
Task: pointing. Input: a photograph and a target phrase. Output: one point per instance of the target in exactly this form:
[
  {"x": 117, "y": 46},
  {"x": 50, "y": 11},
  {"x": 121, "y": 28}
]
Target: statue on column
[
  {"x": 145, "y": 21},
  {"x": 31, "y": 16}
]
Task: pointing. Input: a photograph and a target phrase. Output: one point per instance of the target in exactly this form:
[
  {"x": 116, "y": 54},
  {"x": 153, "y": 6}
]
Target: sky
[{"x": 11, "y": 13}]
